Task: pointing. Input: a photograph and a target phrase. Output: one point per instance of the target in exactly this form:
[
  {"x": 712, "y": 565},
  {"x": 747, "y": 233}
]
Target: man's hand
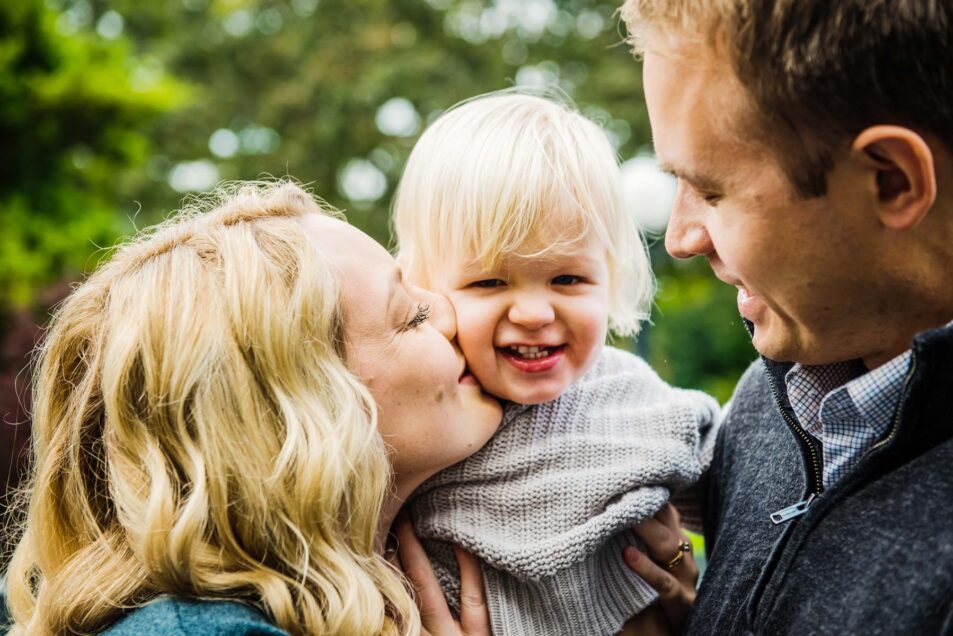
[
  {"x": 673, "y": 576},
  {"x": 649, "y": 622},
  {"x": 434, "y": 613}
]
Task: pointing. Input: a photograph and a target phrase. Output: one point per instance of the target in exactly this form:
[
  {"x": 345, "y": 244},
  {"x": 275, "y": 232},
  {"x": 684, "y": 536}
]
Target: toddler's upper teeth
[{"x": 524, "y": 349}]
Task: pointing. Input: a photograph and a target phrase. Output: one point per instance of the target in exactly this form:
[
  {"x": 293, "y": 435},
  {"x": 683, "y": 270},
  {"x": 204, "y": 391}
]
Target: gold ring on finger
[
  {"x": 683, "y": 547},
  {"x": 675, "y": 560}
]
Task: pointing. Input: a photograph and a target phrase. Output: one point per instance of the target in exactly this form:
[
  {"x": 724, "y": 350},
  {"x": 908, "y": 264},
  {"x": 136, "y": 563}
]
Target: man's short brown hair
[{"x": 821, "y": 71}]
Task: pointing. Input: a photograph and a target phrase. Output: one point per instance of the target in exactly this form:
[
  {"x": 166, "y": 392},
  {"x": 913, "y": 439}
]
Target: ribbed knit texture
[{"x": 547, "y": 505}]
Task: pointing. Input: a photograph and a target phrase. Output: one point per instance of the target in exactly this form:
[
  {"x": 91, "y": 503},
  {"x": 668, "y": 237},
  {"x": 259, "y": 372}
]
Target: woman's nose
[
  {"x": 442, "y": 315},
  {"x": 531, "y": 311}
]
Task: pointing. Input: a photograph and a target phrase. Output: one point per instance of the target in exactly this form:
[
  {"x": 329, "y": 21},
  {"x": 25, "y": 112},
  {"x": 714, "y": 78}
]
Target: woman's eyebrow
[{"x": 396, "y": 284}]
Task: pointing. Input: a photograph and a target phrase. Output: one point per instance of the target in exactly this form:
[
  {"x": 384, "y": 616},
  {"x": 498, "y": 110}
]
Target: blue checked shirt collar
[{"x": 845, "y": 407}]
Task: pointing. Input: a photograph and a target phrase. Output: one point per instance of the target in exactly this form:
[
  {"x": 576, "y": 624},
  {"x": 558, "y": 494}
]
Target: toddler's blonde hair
[
  {"x": 197, "y": 433},
  {"x": 497, "y": 174}
]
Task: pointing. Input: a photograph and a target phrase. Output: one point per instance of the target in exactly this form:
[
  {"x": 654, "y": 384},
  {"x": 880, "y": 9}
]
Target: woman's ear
[{"x": 905, "y": 178}]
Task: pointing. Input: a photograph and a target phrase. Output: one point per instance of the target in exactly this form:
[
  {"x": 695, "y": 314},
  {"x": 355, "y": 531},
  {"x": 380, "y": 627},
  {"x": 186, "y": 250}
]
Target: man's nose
[
  {"x": 531, "y": 311},
  {"x": 687, "y": 234}
]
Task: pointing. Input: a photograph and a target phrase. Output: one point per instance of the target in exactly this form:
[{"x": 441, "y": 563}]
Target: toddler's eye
[
  {"x": 489, "y": 282},
  {"x": 566, "y": 279}
]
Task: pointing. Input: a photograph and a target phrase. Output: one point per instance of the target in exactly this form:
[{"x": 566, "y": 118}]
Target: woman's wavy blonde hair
[{"x": 197, "y": 434}]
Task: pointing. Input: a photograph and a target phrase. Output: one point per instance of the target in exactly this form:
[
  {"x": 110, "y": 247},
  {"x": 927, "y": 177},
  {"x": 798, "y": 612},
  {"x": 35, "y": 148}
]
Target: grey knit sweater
[{"x": 547, "y": 505}]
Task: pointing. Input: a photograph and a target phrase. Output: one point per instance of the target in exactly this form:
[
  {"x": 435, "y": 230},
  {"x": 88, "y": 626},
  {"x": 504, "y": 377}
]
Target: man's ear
[{"x": 905, "y": 175}]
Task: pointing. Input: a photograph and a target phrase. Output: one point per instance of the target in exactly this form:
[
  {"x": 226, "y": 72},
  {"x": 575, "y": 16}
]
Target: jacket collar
[{"x": 928, "y": 389}]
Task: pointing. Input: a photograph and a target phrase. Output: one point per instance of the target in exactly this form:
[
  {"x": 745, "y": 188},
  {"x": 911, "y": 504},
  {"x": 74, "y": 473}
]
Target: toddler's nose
[{"x": 531, "y": 312}]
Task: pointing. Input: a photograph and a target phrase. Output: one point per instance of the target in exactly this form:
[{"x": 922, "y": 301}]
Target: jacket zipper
[
  {"x": 895, "y": 424},
  {"x": 815, "y": 488},
  {"x": 817, "y": 472},
  {"x": 801, "y": 507}
]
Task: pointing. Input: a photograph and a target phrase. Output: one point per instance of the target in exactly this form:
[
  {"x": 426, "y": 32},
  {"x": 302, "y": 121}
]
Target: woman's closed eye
[{"x": 422, "y": 316}]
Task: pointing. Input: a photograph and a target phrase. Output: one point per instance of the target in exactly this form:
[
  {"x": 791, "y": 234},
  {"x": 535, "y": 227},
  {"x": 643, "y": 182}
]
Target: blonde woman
[{"x": 229, "y": 414}]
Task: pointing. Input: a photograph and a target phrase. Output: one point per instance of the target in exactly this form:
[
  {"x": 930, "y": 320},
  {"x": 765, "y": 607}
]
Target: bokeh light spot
[
  {"x": 362, "y": 181},
  {"x": 193, "y": 176},
  {"x": 224, "y": 143},
  {"x": 397, "y": 117}
]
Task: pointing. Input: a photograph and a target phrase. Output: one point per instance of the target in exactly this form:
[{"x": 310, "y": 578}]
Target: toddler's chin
[{"x": 530, "y": 395}]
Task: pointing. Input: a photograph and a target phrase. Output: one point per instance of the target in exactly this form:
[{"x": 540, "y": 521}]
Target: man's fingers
[
  {"x": 663, "y": 545},
  {"x": 474, "y": 614},
  {"x": 675, "y": 596},
  {"x": 433, "y": 607},
  {"x": 669, "y": 517},
  {"x": 661, "y": 541},
  {"x": 663, "y": 582},
  {"x": 664, "y": 540}
]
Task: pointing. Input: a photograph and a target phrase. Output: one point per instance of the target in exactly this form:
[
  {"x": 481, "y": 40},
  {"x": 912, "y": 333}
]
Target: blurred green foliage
[
  {"x": 697, "y": 338},
  {"x": 71, "y": 119},
  {"x": 111, "y": 110}
]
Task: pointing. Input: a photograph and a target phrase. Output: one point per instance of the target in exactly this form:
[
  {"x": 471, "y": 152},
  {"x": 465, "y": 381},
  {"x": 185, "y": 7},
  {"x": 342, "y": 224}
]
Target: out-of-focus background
[{"x": 112, "y": 111}]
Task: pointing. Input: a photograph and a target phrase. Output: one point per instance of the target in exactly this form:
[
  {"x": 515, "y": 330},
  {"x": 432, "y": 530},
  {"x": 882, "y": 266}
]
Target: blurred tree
[
  {"x": 71, "y": 114},
  {"x": 73, "y": 105}
]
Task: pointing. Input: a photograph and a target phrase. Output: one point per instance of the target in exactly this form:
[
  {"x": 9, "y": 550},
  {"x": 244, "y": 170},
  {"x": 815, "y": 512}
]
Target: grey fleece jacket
[
  {"x": 547, "y": 505},
  {"x": 873, "y": 554}
]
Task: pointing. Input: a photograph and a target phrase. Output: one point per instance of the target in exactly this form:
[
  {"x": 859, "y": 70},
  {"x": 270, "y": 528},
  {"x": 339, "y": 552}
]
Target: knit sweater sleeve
[{"x": 553, "y": 495}]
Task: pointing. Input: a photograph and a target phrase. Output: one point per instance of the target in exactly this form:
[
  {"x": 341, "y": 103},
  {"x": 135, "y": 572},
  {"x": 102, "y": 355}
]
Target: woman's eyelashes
[{"x": 422, "y": 316}]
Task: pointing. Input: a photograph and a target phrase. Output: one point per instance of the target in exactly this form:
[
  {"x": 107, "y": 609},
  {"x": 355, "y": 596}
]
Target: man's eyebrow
[{"x": 700, "y": 182}]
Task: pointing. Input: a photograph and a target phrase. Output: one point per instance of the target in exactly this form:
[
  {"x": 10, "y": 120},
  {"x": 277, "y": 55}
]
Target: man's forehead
[{"x": 702, "y": 119}]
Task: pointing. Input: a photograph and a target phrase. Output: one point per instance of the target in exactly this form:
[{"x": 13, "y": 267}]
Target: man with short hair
[{"x": 812, "y": 141}]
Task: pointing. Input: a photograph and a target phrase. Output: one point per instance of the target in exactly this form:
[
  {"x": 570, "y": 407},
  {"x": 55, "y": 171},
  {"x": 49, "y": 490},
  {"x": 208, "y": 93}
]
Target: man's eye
[
  {"x": 566, "y": 279},
  {"x": 488, "y": 282},
  {"x": 711, "y": 199}
]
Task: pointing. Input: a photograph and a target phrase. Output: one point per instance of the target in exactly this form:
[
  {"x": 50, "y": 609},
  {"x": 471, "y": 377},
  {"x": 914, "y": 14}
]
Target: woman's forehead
[{"x": 344, "y": 242}]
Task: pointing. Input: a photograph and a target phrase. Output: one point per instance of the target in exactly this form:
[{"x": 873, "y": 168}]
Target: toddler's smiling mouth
[
  {"x": 532, "y": 358},
  {"x": 530, "y": 352}
]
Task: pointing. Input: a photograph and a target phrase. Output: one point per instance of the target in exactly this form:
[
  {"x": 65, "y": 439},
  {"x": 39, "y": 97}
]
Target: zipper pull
[{"x": 798, "y": 509}]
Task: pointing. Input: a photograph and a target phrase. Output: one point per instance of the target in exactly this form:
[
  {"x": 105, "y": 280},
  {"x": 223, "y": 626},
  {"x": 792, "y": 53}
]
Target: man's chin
[{"x": 773, "y": 345}]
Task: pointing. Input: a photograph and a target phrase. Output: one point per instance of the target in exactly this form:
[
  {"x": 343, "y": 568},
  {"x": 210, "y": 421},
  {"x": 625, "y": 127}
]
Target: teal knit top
[{"x": 178, "y": 617}]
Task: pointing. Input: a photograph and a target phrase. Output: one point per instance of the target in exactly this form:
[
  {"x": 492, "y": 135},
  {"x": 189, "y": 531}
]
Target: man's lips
[{"x": 750, "y": 305}]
